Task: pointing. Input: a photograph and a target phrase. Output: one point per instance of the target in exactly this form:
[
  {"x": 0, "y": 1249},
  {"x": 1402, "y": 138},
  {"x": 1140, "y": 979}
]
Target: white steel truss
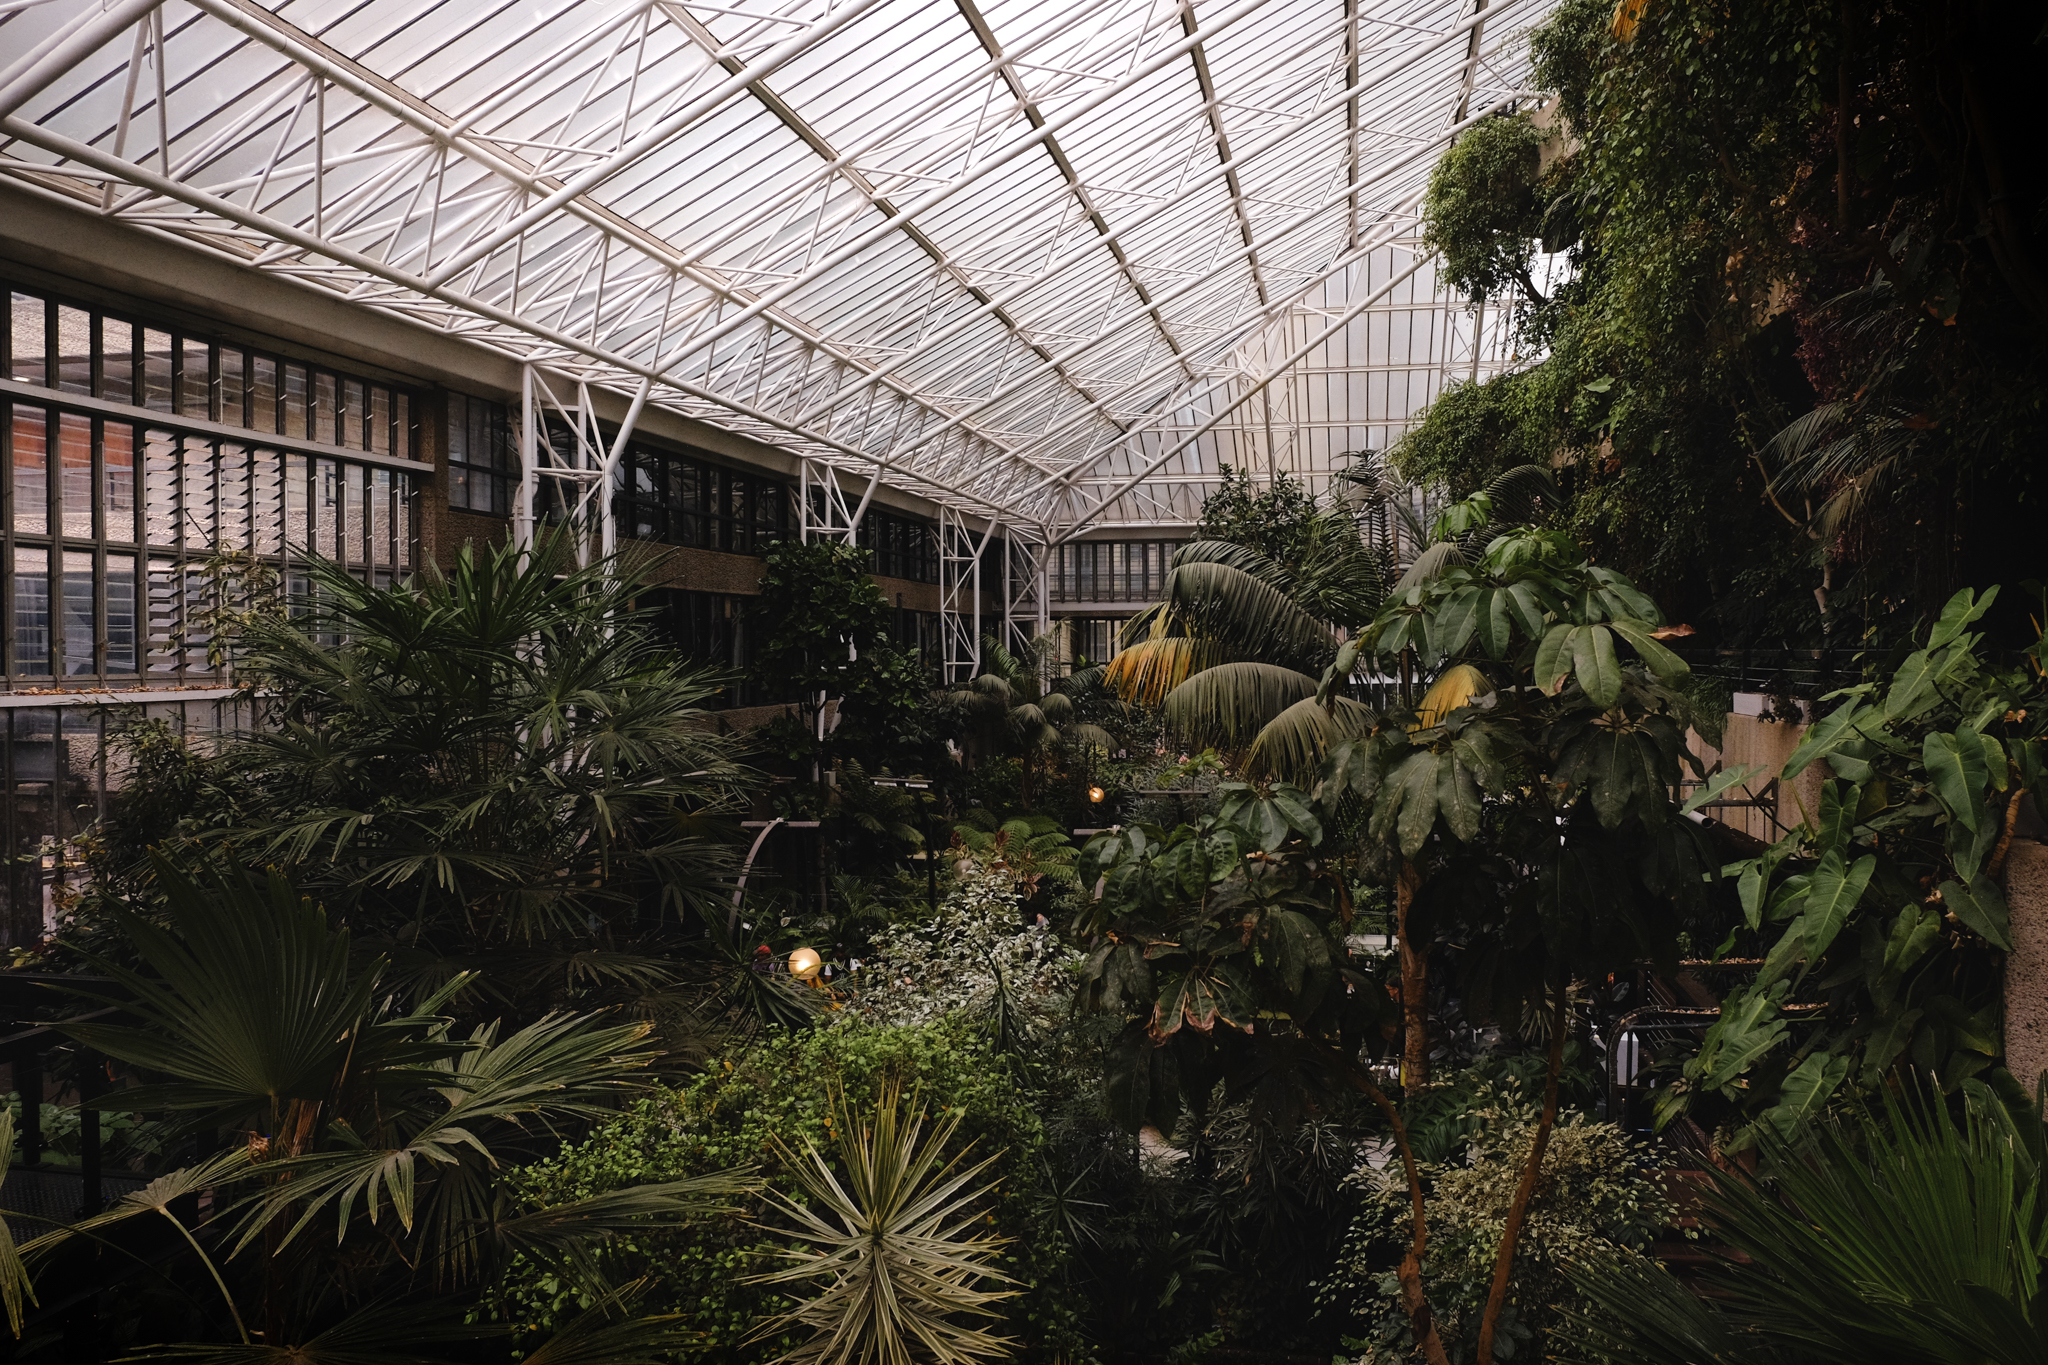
[
  {"x": 568, "y": 472},
  {"x": 1027, "y": 609},
  {"x": 960, "y": 556},
  {"x": 822, "y": 513},
  {"x": 997, "y": 255}
]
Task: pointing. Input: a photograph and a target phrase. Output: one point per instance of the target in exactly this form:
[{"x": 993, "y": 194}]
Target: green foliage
[
  {"x": 376, "y": 1136},
  {"x": 1473, "y": 432},
  {"x": 1274, "y": 521},
  {"x": 899, "y": 1272},
  {"x": 823, "y": 628},
  {"x": 1912, "y": 1237},
  {"x": 1482, "y": 213},
  {"x": 1886, "y": 903},
  {"x": 782, "y": 1091},
  {"x": 494, "y": 764},
  {"x": 1596, "y": 1195}
]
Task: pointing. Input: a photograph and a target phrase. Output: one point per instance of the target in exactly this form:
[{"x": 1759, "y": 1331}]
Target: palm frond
[
  {"x": 1149, "y": 669},
  {"x": 1228, "y": 705},
  {"x": 1223, "y": 603},
  {"x": 1431, "y": 564},
  {"x": 1291, "y": 745}
]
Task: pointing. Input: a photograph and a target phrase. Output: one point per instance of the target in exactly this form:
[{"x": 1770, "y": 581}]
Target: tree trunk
[
  {"x": 1518, "y": 1212},
  {"x": 1420, "y": 1321},
  {"x": 1414, "y": 984}
]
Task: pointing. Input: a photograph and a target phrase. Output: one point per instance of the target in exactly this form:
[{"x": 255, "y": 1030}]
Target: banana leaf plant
[
  {"x": 1886, "y": 906},
  {"x": 358, "y": 1196}
]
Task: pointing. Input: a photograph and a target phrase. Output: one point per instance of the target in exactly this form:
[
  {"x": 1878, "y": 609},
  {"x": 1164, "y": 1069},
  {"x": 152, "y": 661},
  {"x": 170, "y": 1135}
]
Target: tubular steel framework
[{"x": 1045, "y": 263}]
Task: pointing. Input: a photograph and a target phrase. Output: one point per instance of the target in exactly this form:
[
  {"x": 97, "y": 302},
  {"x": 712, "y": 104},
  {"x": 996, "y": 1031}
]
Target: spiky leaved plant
[{"x": 900, "y": 1273}]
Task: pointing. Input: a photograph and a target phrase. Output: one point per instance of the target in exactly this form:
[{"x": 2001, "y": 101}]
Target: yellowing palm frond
[
  {"x": 1455, "y": 687},
  {"x": 1149, "y": 669}
]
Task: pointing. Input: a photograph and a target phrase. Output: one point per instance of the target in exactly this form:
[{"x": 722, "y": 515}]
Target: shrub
[
  {"x": 1596, "y": 1194},
  {"x": 781, "y": 1090}
]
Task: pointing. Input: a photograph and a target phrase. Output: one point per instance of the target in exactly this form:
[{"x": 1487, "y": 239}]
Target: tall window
[
  {"x": 483, "y": 462},
  {"x": 76, "y": 349},
  {"x": 903, "y": 546},
  {"x": 1109, "y": 570},
  {"x": 677, "y": 500}
]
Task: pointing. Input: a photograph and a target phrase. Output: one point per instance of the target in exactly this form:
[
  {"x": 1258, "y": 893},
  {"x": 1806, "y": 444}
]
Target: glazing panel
[
  {"x": 29, "y": 341},
  {"x": 81, "y": 628},
  {"x": 30, "y": 436},
  {"x": 196, "y": 637},
  {"x": 355, "y": 530},
  {"x": 31, "y": 611},
  {"x": 295, "y": 397},
  {"x": 266, "y": 502},
  {"x": 379, "y": 420},
  {"x": 195, "y": 391},
  {"x": 160, "y": 487},
  {"x": 404, "y": 528},
  {"x": 355, "y": 405},
  {"x": 74, "y": 349},
  {"x": 263, "y": 393},
  {"x": 382, "y": 549},
  {"x": 74, "y": 456},
  {"x": 233, "y": 475},
  {"x": 166, "y": 617},
  {"x": 298, "y": 525},
  {"x": 325, "y": 409},
  {"x": 200, "y": 524},
  {"x": 120, "y": 614},
  {"x": 117, "y": 361},
  {"x": 156, "y": 370},
  {"x": 401, "y": 422},
  {"x": 234, "y": 386},
  {"x": 117, "y": 479}
]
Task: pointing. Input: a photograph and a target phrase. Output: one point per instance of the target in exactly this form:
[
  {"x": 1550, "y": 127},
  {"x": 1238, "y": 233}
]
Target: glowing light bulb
[
  {"x": 1096, "y": 794},
  {"x": 804, "y": 964}
]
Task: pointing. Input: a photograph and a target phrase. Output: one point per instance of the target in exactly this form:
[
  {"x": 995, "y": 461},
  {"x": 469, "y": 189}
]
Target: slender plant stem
[
  {"x": 1420, "y": 1321},
  {"x": 212, "y": 1270},
  {"x": 1518, "y": 1212},
  {"x": 1414, "y": 983}
]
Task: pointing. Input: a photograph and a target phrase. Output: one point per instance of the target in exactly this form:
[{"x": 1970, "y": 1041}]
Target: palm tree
[
  {"x": 497, "y": 764},
  {"x": 364, "y": 1200},
  {"x": 1010, "y": 710},
  {"x": 1240, "y": 650}
]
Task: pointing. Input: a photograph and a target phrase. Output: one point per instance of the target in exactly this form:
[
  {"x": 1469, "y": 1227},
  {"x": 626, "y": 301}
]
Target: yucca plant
[
  {"x": 899, "y": 1273},
  {"x": 1914, "y": 1235}
]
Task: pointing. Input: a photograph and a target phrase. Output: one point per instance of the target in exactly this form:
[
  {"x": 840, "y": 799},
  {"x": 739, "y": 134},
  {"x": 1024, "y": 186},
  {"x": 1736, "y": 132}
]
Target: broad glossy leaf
[
  {"x": 1496, "y": 623},
  {"x": 1832, "y": 895},
  {"x": 1806, "y": 1093},
  {"x": 1955, "y": 768},
  {"x": 1748, "y": 1028},
  {"x": 1660, "y": 660},
  {"x": 1956, "y": 616},
  {"x": 1293, "y": 806},
  {"x": 1417, "y": 787},
  {"x": 1554, "y": 658},
  {"x": 1883, "y": 1047},
  {"x": 1453, "y": 622},
  {"x": 1723, "y": 781},
  {"x": 1457, "y": 797},
  {"x": 1593, "y": 661},
  {"x": 1982, "y": 909},
  {"x": 1836, "y": 727},
  {"x": 1528, "y": 607}
]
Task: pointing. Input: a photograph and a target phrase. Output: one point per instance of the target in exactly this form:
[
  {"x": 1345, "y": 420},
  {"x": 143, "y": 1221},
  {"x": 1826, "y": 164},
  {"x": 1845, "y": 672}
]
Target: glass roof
[{"x": 1048, "y": 261}]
